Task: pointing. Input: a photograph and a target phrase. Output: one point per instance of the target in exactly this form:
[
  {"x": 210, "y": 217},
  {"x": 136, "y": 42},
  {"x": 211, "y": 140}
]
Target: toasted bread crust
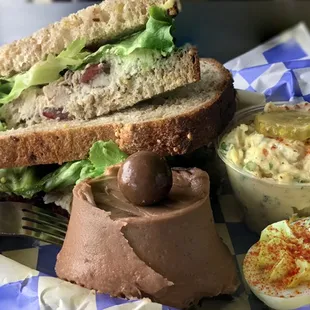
[
  {"x": 196, "y": 63},
  {"x": 167, "y": 136}
]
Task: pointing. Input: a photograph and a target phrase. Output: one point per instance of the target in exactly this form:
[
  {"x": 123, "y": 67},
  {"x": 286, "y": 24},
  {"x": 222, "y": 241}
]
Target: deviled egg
[{"x": 277, "y": 267}]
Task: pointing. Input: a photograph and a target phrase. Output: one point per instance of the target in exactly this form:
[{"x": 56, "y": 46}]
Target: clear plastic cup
[{"x": 264, "y": 201}]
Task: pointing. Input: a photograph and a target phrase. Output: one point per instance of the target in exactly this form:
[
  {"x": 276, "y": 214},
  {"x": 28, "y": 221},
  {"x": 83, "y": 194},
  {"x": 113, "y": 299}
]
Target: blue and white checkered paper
[
  {"x": 279, "y": 70},
  {"x": 26, "y": 288}
]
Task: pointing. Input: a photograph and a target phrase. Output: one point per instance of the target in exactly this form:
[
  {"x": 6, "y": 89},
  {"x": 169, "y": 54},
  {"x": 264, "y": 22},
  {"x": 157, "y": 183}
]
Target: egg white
[{"x": 286, "y": 299}]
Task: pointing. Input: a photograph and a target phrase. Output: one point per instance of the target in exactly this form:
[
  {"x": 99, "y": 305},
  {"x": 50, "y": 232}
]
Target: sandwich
[
  {"x": 101, "y": 84},
  {"x": 105, "y": 89},
  {"x": 87, "y": 66}
]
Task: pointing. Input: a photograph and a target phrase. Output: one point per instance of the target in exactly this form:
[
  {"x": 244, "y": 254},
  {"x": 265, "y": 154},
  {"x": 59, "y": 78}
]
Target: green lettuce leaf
[
  {"x": 64, "y": 176},
  {"x": 104, "y": 154},
  {"x": 3, "y": 126},
  {"x": 101, "y": 155},
  {"x": 23, "y": 182},
  {"x": 43, "y": 72},
  {"x": 28, "y": 181},
  {"x": 156, "y": 36}
]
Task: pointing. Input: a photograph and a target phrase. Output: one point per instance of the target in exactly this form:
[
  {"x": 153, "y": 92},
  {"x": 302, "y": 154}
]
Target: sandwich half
[
  {"x": 102, "y": 59},
  {"x": 49, "y": 159}
]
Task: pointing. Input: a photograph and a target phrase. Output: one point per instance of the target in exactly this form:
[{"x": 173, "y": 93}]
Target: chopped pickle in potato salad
[{"x": 291, "y": 124}]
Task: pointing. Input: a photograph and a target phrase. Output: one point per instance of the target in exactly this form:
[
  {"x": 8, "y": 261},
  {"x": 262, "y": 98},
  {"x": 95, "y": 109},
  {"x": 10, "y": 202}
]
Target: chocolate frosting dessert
[{"x": 169, "y": 252}]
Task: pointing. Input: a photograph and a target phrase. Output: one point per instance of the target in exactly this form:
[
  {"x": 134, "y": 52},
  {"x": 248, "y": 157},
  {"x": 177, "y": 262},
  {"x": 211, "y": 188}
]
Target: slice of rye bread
[
  {"x": 170, "y": 124},
  {"x": 97, "y": 24}
]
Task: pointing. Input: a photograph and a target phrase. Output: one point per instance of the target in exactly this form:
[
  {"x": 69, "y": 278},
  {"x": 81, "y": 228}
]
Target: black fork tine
[
  {"x": 42, "y": 228},
  {"x": 41, "y": 231},
  {"x": 46, "y": 219},
  {"x": 23, "y": 219},
  {"x": 46, "y": 237},
  {"x": 49, "y": 214},
  {"x": 45, "y": 225}
]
